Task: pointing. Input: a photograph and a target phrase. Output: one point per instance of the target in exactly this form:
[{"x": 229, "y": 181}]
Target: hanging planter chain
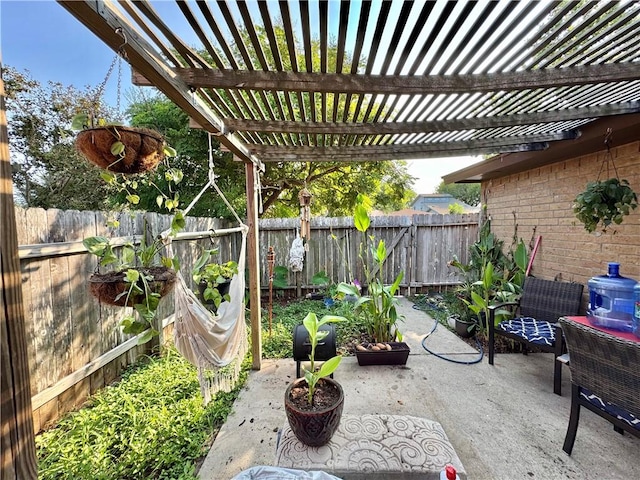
[
  {"x": 608, "y": 157},
  {"x": 605, "y": 202}
]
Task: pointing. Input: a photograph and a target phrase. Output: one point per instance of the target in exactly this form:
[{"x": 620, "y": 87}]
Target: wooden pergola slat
[
  {"x": 406, "y": 84},
  {"x": 353, "y": 128}
]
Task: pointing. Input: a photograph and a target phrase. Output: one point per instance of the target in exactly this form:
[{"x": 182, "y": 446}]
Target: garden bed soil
[{"x": 325, "y": 396}]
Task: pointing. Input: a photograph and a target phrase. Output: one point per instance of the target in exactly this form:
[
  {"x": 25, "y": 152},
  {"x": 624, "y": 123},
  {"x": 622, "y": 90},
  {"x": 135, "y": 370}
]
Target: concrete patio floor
[{"x": 504, "y": 421}]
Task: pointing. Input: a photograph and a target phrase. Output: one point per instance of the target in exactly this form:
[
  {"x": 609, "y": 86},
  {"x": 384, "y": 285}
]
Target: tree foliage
[
  {"x": 49, "y": 173},
  {"x": 192, "y": 145},
  {"x": 47, "y": 170},
  {"x": 469, "y": 193}
]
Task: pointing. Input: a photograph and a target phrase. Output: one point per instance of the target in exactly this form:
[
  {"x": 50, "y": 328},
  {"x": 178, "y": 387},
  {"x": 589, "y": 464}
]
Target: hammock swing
[{"x": 214, "y": 343}]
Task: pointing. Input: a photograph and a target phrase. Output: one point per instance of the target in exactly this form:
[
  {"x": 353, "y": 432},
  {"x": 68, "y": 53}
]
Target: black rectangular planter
[{"x": 397, "y": 356}]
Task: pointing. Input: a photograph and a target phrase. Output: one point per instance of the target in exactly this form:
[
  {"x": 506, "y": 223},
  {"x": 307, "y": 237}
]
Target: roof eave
[{"x": 625, "y": 129}]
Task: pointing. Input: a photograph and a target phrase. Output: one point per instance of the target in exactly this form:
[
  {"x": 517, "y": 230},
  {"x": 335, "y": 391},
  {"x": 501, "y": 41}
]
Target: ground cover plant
[
  {"x": 151, "y": 425},
  {"x": 286, "y": 315}
]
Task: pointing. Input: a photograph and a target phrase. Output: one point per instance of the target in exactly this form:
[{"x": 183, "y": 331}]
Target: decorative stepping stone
[{"x": 374, "y": 447}]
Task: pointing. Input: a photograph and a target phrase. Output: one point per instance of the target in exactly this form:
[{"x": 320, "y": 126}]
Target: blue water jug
[
  {"x": 611, "y": 300},
  {"x": 636, "y": 310}
]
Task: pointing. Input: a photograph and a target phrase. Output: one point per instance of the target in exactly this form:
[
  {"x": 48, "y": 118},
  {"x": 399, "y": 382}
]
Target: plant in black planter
[
  {"x": 459, "y": 316},
  {"x": 313, "y": 404},
  {"x": 603, "y": 203},
  {"x": 213, "y": 279},
  {"x": 118, "y": 148},
  {"x": 139, "y": 277},
  {"x": 378, "y": 307},
  {"x": 489, "y": 289}
]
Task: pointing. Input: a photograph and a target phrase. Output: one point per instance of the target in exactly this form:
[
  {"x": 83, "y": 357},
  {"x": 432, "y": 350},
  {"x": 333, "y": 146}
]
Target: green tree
[
  {"x": 469, "y": 193},
  {"x": 334, "y": 185},
  {"x": 192, "y": 145},
  {"x": 47, "y": 170}
]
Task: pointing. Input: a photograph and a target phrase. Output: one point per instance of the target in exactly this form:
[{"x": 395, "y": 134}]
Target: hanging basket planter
[
  {"x": 603, "y": 203},
  {"x": 111, "y": 288},
  {"x": 122, "y": 149}
]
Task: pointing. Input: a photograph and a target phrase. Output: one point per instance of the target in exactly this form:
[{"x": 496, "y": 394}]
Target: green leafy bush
[
  {"x": 151, "y": 425},
  {"x": 604, "y": 202},
  {"x": 285, "y": 318}
]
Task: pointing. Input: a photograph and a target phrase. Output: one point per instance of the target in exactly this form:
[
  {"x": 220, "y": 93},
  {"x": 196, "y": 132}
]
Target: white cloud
[{"x": 428, "y": 171}]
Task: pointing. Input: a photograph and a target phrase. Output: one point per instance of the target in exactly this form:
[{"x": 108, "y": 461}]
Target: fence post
[
  {"x": 18, "y": 453},
  {"x": 253, "y": 264}
]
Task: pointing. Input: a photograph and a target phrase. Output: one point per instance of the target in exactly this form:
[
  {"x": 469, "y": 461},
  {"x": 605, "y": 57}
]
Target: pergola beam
[
  {"x": 103, "y": 20},
  {"x": 406, "y": 84},
  {"x": 292, "y": 153},
  {"x": 383, "y": 128},
  {"x": 444, "y": 153}
]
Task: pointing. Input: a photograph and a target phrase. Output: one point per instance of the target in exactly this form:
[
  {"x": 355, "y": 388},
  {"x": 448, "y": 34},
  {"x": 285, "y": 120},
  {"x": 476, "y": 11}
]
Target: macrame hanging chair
[{"x": 214, "y": 343}]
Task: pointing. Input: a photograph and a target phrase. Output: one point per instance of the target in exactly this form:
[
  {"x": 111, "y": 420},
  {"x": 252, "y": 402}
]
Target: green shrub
[
  {"x": 285, "y": 318},
  {"x": 151, "y": 425}
]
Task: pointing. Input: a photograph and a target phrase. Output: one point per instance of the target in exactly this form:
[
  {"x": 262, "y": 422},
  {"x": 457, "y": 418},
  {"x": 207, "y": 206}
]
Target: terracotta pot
[
  {"x": 398, "y": 355},
  {"x": 143, "y": 148},
  {"x": 108, "y": 287},
  {"x": 314, "y": 427}
]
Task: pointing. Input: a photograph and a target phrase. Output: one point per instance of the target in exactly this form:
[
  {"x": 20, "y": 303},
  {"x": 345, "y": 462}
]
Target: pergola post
[
  {"x": 253, "y": 265},
  {"x": 17, "y": 451}
]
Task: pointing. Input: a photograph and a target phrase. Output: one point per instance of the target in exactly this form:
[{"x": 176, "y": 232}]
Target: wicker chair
[
  {"x": 542, "y": 303},
  {"x": 605, "y": 378}
]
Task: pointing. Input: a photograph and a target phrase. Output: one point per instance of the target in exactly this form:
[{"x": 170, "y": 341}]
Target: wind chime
[{"x": 305, "y": 214}]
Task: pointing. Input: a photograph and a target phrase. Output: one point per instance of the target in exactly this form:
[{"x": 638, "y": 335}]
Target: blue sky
[{"x": 42, "y": 37}]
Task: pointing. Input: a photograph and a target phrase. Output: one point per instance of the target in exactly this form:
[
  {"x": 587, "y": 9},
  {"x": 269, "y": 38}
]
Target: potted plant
[
  {"x": 213, "y": 279},
  {"x": 378, "y": 307},
  {"x": 139, "y": 277},
  {"x": 118, "y": 148},
  {"x": 604, "y": 202},
  {"x": 313, "y": 404},
  {"x": 490, "y": 277},
  {"x": 459, "y": 316}
]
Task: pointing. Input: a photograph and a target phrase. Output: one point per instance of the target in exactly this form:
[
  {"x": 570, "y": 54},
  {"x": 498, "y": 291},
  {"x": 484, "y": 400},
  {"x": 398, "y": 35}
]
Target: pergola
[{"x": 320, "y": 81}]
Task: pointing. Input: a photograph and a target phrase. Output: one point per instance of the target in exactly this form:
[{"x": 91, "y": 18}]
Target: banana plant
[{"x": 312, "y": 325}]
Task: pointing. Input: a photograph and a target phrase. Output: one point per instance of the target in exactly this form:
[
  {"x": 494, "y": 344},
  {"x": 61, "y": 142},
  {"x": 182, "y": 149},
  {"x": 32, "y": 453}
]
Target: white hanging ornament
[{"x": 296, "y": 255}]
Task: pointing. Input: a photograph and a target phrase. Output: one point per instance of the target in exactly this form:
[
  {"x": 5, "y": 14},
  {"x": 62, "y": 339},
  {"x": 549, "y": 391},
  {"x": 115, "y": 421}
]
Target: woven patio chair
[
  {"x": 605, "y": 378},
  {"x": 534, "y": 324}
]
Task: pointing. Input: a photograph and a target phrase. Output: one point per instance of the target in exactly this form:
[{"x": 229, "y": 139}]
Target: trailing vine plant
[{"x": 605, "y": 202}]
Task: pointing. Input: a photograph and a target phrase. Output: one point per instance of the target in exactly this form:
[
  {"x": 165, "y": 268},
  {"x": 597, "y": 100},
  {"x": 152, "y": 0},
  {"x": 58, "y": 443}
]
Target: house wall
[{"x": 538, "y": 202}]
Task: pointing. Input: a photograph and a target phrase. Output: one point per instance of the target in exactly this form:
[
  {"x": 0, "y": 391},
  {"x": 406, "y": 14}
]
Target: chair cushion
[
  {"x": 534, "y": 331},
  {"x": 610, "y": 408}
]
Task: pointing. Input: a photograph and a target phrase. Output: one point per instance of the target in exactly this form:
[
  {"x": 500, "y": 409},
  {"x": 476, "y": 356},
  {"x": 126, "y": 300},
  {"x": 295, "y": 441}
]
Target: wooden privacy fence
[
  {"x": 75, "y": 344},
  {"x": 418, "y": 245}
]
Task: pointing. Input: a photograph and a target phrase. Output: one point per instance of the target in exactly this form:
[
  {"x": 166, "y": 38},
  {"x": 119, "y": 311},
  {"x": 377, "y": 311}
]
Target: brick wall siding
[{"x": 539, "y": 202}]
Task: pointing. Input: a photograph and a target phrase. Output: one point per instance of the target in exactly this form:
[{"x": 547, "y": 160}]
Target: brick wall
[{"x": 539, "y": 202}]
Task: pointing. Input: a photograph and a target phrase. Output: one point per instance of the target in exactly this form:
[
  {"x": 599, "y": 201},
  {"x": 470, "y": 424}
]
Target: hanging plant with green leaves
[{"x": 604, "y": 202}]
